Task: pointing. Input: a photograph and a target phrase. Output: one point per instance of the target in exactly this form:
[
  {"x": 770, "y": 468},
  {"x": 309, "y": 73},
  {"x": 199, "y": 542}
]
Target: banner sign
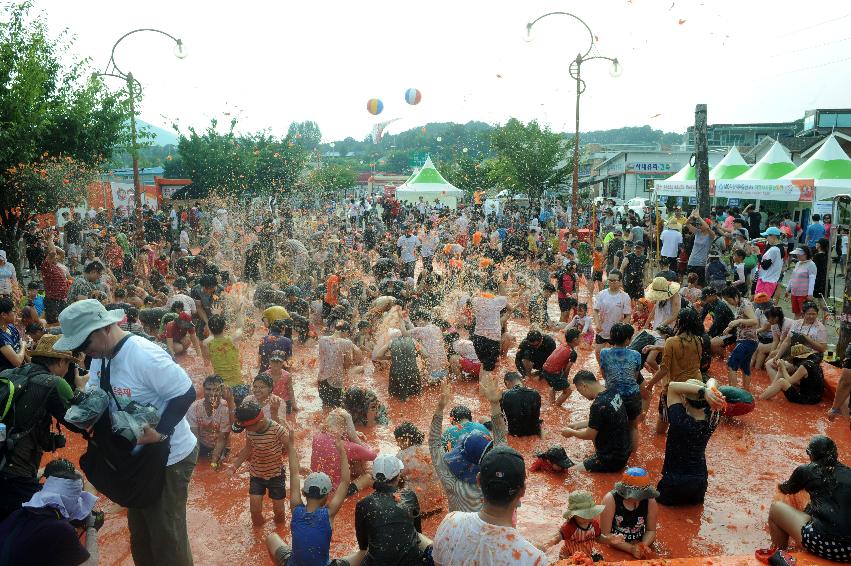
[
  {"x": 674, "y": 188},
  {"x": 649, "y": 168},
  {"x": 794, "y": 190}
]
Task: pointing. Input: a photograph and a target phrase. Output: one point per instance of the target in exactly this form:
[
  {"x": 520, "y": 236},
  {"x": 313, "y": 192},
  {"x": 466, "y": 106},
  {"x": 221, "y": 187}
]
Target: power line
[
  {"x": 793, "y": 32},
  {"x": 809, "y": 68},
  {"x": 808, "y": 48}
]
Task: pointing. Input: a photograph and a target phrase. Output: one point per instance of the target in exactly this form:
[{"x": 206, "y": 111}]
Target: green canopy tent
[
  {"x": 429, "y": 184},
  {"x": 682, "y": 183},
  {"x": 830, "y": 167},
  {"x": 773, "y": 165}
]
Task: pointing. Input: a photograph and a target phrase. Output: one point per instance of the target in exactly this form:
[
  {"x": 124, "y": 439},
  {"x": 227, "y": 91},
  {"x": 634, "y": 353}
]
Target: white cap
[
  {"x": 388, "y": 466},
  {"x": 317, "y": 485}
]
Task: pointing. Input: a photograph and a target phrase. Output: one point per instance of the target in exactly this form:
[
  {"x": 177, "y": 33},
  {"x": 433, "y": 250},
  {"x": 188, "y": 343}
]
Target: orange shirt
[
  {"x": 477, "y": 238},
  {"x": 332, "y": 289},
  {"x": 598, "y": 261},
  {"x": 477, "y": 197}
]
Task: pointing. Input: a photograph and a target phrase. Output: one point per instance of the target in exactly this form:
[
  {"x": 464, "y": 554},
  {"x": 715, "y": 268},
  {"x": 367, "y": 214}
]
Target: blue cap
[
  {"x": 773, "y": 231},
  {"x": 464, "y": 458}
]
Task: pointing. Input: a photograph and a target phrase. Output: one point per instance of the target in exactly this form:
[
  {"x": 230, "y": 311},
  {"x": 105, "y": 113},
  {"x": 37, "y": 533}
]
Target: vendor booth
[
  {"x": 682, "y": 184},
  {"x": 429, "y": 184}
]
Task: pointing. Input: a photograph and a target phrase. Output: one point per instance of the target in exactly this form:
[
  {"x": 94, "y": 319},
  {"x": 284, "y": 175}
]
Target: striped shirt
[
  {"x": 267, "y": 451},
  {"x": 460, "y": 495}
]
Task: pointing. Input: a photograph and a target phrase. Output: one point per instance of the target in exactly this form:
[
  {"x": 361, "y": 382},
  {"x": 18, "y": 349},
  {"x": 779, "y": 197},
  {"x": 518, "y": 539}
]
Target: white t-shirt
[
  {"x": 775, "y": 271},
  {"x": 465, "y": 349},
  {"x": 431, "y": 339},
  {"x": 145, "y": 373},
  {"x": 332, "y": 354},
  {"x": 613, "y": 307},
  {"x": 671, "y": 240},
  {"x": 487, "y": 313},
  {"x": 816, "y": 331},
  {"x": 188, "y": 302},
  {"x": 463, "y": 539},
  {"x": 408, "y": 245}
]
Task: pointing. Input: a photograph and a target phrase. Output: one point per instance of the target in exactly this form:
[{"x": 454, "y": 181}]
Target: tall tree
[
  {"x": 306, "y": 134},
  {"x": 239, "y": 165},
  {"x": 530, "y": 159},
  {"x": 331, "y": 181},
  {"x": 49, "y": 111}
]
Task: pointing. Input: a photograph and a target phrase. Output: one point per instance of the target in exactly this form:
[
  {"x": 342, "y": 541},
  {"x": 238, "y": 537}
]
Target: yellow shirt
[
  {"x": 224, "y": 356},
  {"x": 274, "y": 313}
]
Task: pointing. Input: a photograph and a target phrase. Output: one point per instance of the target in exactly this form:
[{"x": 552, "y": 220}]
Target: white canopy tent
[
  {"x": 682, "y": 183},
  {"x": 429, "y": 184}
]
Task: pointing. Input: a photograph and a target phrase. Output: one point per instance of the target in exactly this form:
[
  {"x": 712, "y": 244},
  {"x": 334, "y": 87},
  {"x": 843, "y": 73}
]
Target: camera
[{"x": 93, "y": 521}]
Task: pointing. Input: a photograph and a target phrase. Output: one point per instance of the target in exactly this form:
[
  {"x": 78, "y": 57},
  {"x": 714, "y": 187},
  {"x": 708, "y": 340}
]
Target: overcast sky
[{"x": 273, "y": 62}]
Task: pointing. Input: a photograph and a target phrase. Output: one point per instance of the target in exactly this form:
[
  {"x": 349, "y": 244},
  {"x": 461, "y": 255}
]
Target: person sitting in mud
[
  {"x": 521, "y": 406},
  {"x": 533, "y": 351},
  {"x": 607, "y": 426},
  {"x": 418, "y": 473},
  {"x": 556, "y": 368},
  {"x": 808, "y": 331},
  {"x": 461, "y": 419},
  {"x": 722, "y": 316},
  {"x": 823, "y": 527},
  {"x": 458, "y": 468},
  {"x": 364, "y": 406},
  {"x": 801, "y": 380},
  {"x": 324, "y": 457},
  {"x": 313, "y": 508},
  {"x": 629, "y": 512}
]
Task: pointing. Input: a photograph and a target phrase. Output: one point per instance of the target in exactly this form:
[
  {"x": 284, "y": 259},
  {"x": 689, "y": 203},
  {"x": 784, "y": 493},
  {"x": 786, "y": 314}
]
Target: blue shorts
[{"x": 741, "y": 356}]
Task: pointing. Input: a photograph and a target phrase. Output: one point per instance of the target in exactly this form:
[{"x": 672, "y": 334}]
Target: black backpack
[{"x": 21, "y": 408}]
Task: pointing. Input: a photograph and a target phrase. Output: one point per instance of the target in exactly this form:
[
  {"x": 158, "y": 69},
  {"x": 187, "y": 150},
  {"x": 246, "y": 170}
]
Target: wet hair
[
  {"x": 584, "y": 377},
  {"x": 534, "y": 336},
  {"x": 6, "y": 305},
  {"x": 512, "y": 377},
  {"x": 616, "y": 272},
  {"x": 571, "y": 334},
  {"x": 822, "y": 452},
  {"x": 61, "y": 468},
  {"x": 214, "y": 379},
  {"x": 736, "y": 253},
  {"x": 730, "y": 292},
  {"x": 94, "y": 266},
  {"x": 688, "y": 322},
  {"x": 621, "y": 333},
  {"x": 216, "y": 323},
  {"x": 247, "y": 411},
  {"x": 776, "y": 312},
  {"x": 207, "y": 280},
  {"x": 357, "y": 402},
  {"x": 583, "y": 306},
  {"x": 460, "y": 412},
  {"x": 132, "y": 314},
  {"x": 176, "y": 306},
  {"x": 265, "y": 378},
  {"x": 549, "y": 287},
  {"x": 808, "y": 305},
  {"x": 409, "y": 431}
]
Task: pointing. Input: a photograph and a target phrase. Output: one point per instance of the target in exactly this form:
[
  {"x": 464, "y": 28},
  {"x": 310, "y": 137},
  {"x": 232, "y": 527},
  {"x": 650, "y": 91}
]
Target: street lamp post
[
  {"x": 575, "y": 70},
  {"x": 112, "y": 70}
]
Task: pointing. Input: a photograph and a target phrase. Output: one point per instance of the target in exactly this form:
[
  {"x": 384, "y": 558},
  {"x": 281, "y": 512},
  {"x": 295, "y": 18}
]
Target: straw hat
[
  {"x": 581, "y": 504},
  {"x": 44, "y": 349},
  {"x": 636, "y": 484},
  {"x": 801, "y": 351},
  {"x": 661, "y": 289}
]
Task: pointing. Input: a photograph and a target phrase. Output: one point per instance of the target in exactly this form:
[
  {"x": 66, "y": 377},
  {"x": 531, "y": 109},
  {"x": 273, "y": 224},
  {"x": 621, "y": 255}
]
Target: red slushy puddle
[{"x": 747, "y": 457}]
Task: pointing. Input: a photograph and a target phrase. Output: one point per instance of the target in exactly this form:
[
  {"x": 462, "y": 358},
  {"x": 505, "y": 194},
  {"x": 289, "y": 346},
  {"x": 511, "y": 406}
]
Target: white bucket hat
[{"x": 80, "y": 319}]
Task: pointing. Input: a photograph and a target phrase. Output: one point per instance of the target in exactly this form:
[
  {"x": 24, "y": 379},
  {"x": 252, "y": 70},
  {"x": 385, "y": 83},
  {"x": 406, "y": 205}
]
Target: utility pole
[{"x": 701, "y": 160}]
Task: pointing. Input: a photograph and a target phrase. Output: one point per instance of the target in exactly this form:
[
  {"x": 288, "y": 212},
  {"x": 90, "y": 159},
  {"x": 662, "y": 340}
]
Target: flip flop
[{"x": 763, "y": 554}]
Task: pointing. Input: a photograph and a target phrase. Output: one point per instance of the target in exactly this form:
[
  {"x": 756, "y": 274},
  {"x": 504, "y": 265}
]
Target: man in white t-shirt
[
  {"x": 487, "y": 537},
  {"x": 771, "y": 265},
  {"x": 336, "y": 354},
  {"x": 671, "y": 239},
  {"x": 612, "y": 306},
  {"x": 141, "y": 371},
  {"x": 408, "y": 245},
  {"x": 487, "y": 337}
]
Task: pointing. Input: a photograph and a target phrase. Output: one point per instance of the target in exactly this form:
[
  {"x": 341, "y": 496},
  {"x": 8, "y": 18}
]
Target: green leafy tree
[
  {"x": 243, "y": 166},
  {"x": 529, "y": 159},
  {"x": 330, "y": 181},
  {"x": 467, "y": 174},
  {"x": 305, "y": 134},
  {"x": 50, "y": 109}
]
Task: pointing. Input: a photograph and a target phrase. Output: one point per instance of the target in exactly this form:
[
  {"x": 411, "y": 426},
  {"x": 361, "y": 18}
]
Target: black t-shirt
[
  {"x": 754, "y": 223},
  {"x": 388, "y": 528},
  {"x": 722, "y": 316},
  {"x": 685, "y": 449},
  {"x": 538, "y": 355},
  {"x": 72, "y": 232},
  {"x": 40, "y": 538},
  {"x": 608, "y": 418},
  {"x": 522, "y": 409},
  {"x": 811, "y": 386},
  {"x": 830, "y": 498}
]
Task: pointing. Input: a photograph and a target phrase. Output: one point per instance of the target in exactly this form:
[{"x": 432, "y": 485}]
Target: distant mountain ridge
[{"x": 161, "y": 135}]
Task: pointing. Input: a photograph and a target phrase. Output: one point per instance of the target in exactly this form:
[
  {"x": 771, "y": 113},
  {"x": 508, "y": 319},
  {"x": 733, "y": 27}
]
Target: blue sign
[
  {"x": 679, "y": 201},
  {"x": 662, "y": 198},
  {"x": 692, "y": 201},
  {"x": 732, "y": 202}
]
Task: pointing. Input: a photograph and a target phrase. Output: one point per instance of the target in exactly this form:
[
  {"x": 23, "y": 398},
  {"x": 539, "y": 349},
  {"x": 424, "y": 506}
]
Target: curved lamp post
[
  {"x": 134, "y": 86},
  {"x": 575, "y": 73}
]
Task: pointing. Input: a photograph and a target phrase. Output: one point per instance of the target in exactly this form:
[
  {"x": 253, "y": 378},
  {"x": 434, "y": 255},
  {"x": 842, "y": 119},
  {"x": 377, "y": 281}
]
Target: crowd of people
[{"x": 98, "y": 335}]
